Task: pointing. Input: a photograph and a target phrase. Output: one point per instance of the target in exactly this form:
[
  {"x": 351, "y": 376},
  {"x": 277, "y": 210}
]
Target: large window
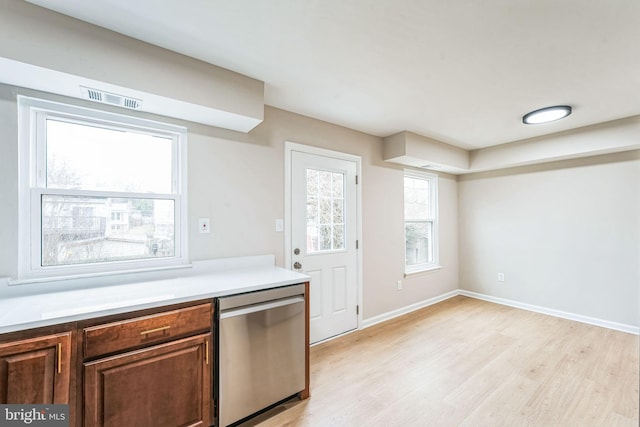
[
  {"x": 99, "y": 192},
  {"x": 420, "y": 221}
]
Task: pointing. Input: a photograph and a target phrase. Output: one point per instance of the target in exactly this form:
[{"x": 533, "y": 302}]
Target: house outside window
[
  {"x": 99, "y": 192},
  {"x": 420, "y": 221}
]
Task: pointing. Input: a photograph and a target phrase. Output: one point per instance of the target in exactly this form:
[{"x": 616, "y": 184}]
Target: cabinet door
[
  {"x": 36, "y": 371},
  {"x": 166, "y": 385}
]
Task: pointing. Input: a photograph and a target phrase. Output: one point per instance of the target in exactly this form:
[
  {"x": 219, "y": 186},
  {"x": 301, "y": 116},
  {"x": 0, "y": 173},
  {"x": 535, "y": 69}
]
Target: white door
[{"x": 323, "y": 239}]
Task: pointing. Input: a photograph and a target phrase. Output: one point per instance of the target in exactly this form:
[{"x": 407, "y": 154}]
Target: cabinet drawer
[{"x": 141, "y": 331}]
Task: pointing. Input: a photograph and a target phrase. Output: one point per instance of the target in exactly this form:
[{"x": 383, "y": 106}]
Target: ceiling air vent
[
  {"x": 94, "y": 95},
  {"x": 110, "y": 98},
  {"x": 132, "y": 103}
]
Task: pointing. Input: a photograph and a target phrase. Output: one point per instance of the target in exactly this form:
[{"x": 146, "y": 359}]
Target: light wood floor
[{"x": 465, "y": 362}]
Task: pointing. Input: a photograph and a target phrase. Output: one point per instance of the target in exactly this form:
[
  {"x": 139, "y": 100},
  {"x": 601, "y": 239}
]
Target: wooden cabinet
[
  {"x": 164, "y": 385},
  {"x": 36, "y": 370},
  {"x": 152, "y": 367},
  {"x": 153, "y": 370}
]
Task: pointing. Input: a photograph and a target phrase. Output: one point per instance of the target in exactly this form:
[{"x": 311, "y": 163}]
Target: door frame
[{"x": 289, "y": 148}]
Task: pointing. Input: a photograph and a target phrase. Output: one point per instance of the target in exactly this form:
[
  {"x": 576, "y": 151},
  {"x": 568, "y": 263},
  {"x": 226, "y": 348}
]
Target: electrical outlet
[
  {"x": 500, "y": 277},
  {"x": 203, "y": 225},
  {"x": 399, "y": 285}
]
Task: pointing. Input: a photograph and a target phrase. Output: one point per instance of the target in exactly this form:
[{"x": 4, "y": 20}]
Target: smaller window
[{"x": 420, "y": 221}]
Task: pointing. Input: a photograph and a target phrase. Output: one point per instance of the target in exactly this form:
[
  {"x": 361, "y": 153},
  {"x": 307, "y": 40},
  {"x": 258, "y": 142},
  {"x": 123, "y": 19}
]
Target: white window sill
[
  {"x": 424, "y": 270},
  {"x": 105, "y": 275}
]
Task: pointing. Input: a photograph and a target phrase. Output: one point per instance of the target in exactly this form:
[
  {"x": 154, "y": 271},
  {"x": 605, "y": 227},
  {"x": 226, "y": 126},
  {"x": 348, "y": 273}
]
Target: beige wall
[
  {"x": 565, "y": 234},
  {"x": 8, "y": 183},
  {"x": 237, "y": 180}
]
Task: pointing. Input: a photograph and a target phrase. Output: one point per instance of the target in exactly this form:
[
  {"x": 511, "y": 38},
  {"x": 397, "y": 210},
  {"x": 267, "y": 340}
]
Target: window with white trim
[
  {"x": 99, "y": 191},
  {"x": 420, "y": 221}
]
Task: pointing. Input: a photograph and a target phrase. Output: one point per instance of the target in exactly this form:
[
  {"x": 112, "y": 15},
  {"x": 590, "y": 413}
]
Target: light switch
[
  {"x": 279, "y": 225},
  {"x": 203, "y": 225}
]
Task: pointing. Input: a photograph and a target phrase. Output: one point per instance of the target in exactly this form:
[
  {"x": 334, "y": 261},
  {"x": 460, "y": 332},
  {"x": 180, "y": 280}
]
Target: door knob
[
  {"x": 296, "y": 251},
  {"x": 297, "y": 265}
]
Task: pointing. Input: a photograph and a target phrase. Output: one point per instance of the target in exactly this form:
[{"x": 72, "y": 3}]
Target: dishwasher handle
[{"x": 241, "y": 311}]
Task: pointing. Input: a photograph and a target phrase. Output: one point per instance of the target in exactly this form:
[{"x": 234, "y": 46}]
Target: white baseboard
[
  {"x": 552, "y": 312},
  {"x": 631, "y": 329},
  {"x": 408, "y": 309}
]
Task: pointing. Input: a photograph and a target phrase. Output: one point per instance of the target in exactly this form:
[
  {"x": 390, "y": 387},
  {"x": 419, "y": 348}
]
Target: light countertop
[{"x": 208, "y": 279}]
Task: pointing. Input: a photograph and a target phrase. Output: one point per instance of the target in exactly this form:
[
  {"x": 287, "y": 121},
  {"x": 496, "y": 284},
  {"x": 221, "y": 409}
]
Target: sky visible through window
[{"x": 93, "y": 158}]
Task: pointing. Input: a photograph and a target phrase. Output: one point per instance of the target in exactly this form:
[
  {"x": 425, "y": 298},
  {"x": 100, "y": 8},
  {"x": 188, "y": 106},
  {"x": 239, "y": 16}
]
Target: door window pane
[
  {"x": 83, "y": 229},
  {"x": 325, "y": 211},
  {"x": 338, "y": 185}
]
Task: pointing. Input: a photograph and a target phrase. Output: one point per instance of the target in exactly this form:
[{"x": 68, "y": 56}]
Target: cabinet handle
[
  {"x": 206, "y": 351},
  {"x": 150, "y": 331},
  {"x": 59, "y": 358}
]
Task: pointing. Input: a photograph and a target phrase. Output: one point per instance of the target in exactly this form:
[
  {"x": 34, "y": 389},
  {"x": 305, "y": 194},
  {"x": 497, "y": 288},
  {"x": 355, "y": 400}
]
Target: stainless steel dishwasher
[{"x": 260, "y": 351}]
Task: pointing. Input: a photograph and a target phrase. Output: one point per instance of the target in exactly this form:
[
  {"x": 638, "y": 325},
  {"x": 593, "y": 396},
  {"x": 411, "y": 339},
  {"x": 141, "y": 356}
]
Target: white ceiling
[{"x": 462, "y": 72}]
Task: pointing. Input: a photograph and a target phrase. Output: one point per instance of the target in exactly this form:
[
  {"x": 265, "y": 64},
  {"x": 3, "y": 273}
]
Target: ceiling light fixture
[{"x": 545, "y": 115}]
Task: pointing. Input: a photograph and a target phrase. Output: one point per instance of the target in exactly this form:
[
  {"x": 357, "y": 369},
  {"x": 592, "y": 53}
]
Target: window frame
[
  {"x": 318, "y": 224},
  {"x": 32, "y": 116},
  {"x": 433, "y": 218}
]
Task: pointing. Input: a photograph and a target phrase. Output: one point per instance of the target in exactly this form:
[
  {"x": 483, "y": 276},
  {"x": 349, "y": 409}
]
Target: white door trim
[{"x": 290, "y": 147}]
